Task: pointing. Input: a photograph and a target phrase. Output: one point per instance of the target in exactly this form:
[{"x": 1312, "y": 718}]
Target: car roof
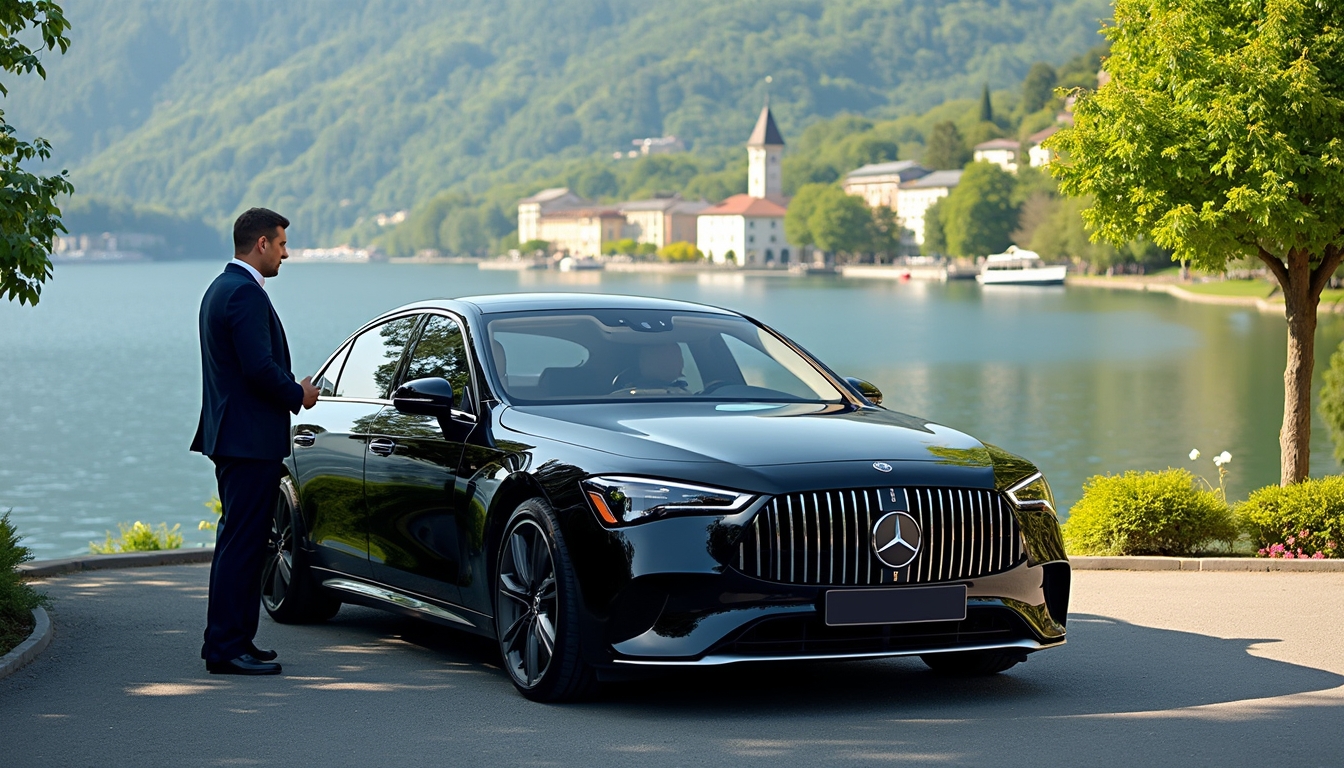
[{"x": 528, "y": 302}]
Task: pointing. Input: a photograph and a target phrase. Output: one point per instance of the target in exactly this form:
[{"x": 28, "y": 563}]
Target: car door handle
[
  {"x": 382, "y": 446},
  {"x": 305, "y": 438}
]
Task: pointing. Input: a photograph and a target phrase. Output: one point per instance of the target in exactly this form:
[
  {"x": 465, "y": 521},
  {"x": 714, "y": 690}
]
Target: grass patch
[{"x": 1257, "y": 289}]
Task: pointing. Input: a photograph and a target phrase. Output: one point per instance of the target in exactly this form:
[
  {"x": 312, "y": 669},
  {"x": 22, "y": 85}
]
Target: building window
[{"x": 751, "y": 238}]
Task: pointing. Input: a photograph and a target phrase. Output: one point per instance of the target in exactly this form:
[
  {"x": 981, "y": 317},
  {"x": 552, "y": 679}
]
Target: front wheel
[
  {"x": 972, "y": 663},
  {"x": 289, "y": 592},
  {"x": 536, "y": 608}
]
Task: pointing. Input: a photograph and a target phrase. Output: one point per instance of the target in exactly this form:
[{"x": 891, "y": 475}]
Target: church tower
[{"x": 765, "y": 149}]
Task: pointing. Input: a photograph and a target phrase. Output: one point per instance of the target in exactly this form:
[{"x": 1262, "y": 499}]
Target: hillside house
[
  {"x": 531, "y": 209},
  {"x": 877, "y": 183},
  {"x": 1004, "y": 153}
]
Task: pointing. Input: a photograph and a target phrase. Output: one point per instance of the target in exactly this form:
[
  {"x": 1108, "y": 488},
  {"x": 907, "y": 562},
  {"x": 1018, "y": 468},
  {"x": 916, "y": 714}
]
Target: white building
[
  {"x": 662, "y": 220},
  {"x": 748, "y": 230},
  {"x": 915, "y": 198},
  {"x": 745, "y": 230},
  {"x": 1038, "y": 155},
  {"x": 662, "y": 145},
  {"x": 1001, "y": 152},
  {"x": 531, "y": 209},
  {"x": 878, "y": 183}
]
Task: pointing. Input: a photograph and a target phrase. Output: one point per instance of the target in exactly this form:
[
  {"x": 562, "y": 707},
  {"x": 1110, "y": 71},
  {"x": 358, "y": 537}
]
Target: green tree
[
  {"x": 986, "y": 106},
  {"x": 1039, "y": 87},
  {"x": 886, "y": 232},
  {"x": 935, "y": 238},
  {"x": 945, "y": 149},
  {"x": 840, "y": 223},
  {"x": 797, "y": 222},
  {"x": 1218, "y": 133},
  {"x": 29, "y": 216},
  {"x": 532, "y": 246},
  {"x": 979, "y": 215}
]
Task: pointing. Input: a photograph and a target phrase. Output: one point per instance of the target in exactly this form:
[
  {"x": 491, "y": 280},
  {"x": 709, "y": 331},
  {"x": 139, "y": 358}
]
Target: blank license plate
[{"x": 905, "y": 605}]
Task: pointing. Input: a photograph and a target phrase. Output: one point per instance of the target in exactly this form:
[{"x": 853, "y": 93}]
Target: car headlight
[
  {"x": 1032, "y": 493},
  {"x": 625, "y": 500}
]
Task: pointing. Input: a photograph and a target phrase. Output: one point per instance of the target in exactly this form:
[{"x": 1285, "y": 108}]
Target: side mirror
[
  {"x": 424, "y": 397},
  {"x": 867, "y": 389}
]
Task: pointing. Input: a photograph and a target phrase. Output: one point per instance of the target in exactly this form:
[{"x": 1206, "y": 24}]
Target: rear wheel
[
  {"x": 972, "y": 663},
  {"x": 289, "y": 592},
  {"x": 536, "y": 608}
]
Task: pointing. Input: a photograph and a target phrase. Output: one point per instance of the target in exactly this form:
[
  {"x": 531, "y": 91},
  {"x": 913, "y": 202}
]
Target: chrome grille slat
[{"x": 966, "y": 533}]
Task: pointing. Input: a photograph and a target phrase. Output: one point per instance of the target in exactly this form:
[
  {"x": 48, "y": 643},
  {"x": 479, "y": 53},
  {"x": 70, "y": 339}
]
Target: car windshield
[{"x": 622, "y": 355}]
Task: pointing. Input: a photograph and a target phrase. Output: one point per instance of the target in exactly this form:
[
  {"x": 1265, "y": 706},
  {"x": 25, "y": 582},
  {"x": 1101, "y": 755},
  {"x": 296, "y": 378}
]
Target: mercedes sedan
[{"x": 603, "y": 483}]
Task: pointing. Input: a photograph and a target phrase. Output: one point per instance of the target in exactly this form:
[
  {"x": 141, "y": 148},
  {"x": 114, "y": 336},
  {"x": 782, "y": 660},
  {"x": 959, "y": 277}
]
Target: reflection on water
[{"x": 100, "y": 383}]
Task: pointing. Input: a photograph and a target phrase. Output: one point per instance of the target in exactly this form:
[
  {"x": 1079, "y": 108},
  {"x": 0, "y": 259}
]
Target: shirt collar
[{"x": 251, "y": 270}]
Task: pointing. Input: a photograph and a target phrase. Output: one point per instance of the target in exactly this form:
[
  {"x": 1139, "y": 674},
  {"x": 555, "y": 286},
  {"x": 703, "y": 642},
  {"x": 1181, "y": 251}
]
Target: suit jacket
[{"x": 248, "y": 388}]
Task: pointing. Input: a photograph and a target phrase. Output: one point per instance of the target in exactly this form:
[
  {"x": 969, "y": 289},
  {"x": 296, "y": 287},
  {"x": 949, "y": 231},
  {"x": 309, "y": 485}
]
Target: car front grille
[{"x": 825, "y": 537}]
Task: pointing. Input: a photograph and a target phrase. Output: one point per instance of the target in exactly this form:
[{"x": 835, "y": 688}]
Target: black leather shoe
[
  {"x": 243, "y": 665},
  {"x": 261, "y": 655}
]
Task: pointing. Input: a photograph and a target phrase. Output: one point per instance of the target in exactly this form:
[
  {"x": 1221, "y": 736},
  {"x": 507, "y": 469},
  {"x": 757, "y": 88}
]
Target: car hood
[{"x": 748, "y": 434}]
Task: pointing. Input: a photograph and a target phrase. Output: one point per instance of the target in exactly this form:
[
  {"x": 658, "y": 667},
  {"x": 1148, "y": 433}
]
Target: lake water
[{"x": 100, "y": 383}]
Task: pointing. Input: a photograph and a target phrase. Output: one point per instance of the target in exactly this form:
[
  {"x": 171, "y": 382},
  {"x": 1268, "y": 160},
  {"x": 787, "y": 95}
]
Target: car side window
[
  {"x": 372, "y": 362},
  {"x": 326, "y": 380},
  {"x": 441, "y": 351}
]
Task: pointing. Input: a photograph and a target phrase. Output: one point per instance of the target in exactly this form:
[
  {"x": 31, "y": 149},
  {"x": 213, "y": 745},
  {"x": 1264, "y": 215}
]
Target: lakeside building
[
  {"x": 531, "y": 209},
  {"x": 1005, "y": 153},
  {"x": 915, "y": 198},
  {"x": 878, "y": 183},
  {"x": 749, "y": 229},
  {"x": 1037, "y": 155},
  {"x": 662, "y": 220},
  {"x": 662, "y": 145},
  {"x": 580, "y": 232}
]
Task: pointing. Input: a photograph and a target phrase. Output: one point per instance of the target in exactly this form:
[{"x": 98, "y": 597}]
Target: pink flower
[
  {"x": 1318, "y": 556},
  {"x": 1304, "y": 534},
  {"x": 1292, "y": 540}
]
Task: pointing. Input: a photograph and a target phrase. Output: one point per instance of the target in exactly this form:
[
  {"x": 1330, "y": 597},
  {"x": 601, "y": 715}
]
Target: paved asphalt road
[{"x": 1164, "y": 668}]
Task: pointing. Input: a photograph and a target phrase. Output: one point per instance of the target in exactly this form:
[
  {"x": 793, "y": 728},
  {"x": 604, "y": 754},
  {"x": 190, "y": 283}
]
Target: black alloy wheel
[
  {"x": 972, "y": 663},
  {"x": 289, "y": 592},
  {"x": 536, "y": 613}
]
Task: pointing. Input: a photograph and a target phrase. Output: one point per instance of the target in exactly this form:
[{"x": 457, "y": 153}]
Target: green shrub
[
  {"x": 1147, "y": 513},
  {"x": 17, "y": 598},
  {"x": 1302, "y": 520},
  {"x": 139, "y": 537}
]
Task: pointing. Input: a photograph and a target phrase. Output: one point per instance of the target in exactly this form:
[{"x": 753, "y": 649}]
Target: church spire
[{"x": 766, "y": 133}]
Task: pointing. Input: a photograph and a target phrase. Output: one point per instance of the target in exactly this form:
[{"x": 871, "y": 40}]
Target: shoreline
[{"x": 1155, "y": 285}]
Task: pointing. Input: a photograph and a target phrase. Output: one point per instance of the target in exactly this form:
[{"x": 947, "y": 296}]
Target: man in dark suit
[{"x": 249, "y": 392}]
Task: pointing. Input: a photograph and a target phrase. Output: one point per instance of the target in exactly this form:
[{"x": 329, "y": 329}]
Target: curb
[
  {"x": 1243, "y": 564},
  {"x": 39, "y": 569},
  {"x": 30, "y": 648}
]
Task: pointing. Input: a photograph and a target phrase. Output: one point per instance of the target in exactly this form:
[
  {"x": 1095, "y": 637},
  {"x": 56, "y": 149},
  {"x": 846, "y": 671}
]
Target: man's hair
[{"x": 255, "y": 223}]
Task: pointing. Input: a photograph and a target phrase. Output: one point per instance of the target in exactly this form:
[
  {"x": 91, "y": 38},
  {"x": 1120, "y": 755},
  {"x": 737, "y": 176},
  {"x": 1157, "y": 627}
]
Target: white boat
[
  {"x": 580, "y": 263},
  {"x": 1017, "y": 266}
]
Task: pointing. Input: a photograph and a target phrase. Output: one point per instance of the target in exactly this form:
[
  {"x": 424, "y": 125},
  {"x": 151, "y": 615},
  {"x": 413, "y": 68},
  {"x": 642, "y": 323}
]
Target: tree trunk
[
  {"x": 1300, "y": 312},
  {"x": 1301, "y": 286}
]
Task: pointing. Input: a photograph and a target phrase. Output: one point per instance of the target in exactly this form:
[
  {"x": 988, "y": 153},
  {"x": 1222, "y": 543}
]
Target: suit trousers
[{"x": 248, "y": 489}]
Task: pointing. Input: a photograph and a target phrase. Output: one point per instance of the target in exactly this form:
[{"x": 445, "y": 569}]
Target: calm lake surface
[{"x": 100, "y": 383}]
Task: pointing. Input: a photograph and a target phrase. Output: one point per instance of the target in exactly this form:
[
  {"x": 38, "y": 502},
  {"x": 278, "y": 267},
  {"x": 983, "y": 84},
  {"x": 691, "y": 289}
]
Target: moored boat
[{"x": 1018, "y": 266}]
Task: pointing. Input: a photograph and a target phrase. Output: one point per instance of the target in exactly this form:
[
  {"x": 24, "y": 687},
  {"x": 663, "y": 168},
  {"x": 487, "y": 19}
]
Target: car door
[
  {"x": 331, "y": 441},
  {"x": 417, "y": 539}
]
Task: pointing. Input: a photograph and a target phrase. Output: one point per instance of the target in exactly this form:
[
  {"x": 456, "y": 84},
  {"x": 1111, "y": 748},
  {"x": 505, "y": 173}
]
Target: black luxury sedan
[{"x": 602, "y": 483}]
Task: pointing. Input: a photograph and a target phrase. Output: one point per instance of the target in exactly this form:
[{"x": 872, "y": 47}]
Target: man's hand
[{"x": 309, "y": 392}]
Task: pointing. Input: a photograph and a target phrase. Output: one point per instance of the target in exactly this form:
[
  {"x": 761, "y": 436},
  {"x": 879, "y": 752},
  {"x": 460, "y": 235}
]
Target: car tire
[
  {"x": 972, "y": 663},
  {"x": 537, "y": 610},
  {"x": 289, "y": 592}
]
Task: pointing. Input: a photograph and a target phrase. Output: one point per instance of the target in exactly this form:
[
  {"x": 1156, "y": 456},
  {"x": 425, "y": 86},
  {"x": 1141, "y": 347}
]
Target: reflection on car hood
[{"x": 748, "y": 434}]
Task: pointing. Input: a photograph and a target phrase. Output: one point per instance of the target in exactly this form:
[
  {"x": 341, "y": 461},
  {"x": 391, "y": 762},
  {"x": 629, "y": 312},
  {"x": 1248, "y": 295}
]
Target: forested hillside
[{"x": 335, "y": 110}]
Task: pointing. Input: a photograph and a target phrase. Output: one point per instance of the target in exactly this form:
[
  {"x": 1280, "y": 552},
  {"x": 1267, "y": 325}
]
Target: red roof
[{"x": 745, "y": 205}]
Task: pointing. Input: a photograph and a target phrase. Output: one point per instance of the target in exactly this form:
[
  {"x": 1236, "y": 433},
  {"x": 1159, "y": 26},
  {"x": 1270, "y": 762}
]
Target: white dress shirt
[{"x": 251, "y": 270}]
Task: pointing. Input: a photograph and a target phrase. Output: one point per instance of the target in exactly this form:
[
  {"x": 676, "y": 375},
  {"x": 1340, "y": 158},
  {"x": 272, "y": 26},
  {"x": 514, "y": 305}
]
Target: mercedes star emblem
[
  {"x": 896, "y": 539},
  {"x": 881, "y": 466}
]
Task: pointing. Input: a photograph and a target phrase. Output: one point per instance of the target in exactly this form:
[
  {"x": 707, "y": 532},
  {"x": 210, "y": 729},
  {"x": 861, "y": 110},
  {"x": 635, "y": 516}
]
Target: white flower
[
  {"x": 1194, "y": 454},
  {"x": 1222, "y": 458}
]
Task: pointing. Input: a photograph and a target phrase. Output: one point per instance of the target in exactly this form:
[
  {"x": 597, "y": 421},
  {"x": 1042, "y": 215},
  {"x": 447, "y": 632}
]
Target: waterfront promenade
[{"x": 1163, "y": 668}]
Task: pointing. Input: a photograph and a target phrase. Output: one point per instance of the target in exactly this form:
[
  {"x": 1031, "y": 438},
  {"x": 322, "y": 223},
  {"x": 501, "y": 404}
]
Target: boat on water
[{"x": 1018, "y": 266}]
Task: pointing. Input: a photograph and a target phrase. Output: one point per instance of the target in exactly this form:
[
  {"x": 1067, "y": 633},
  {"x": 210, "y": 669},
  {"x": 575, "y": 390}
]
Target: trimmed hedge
[
  {"x": 1302, "y": 520},
  {"x": 17, "y": 599},
  {"x": 1147, "y": 513}
]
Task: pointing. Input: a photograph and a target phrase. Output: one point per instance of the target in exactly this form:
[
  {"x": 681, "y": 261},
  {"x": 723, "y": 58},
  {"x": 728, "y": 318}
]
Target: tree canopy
[
  {"x": 29, "y": 216},
  {"x": 1218, "y": 135},
  {"x": 980, "y": 215}
]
